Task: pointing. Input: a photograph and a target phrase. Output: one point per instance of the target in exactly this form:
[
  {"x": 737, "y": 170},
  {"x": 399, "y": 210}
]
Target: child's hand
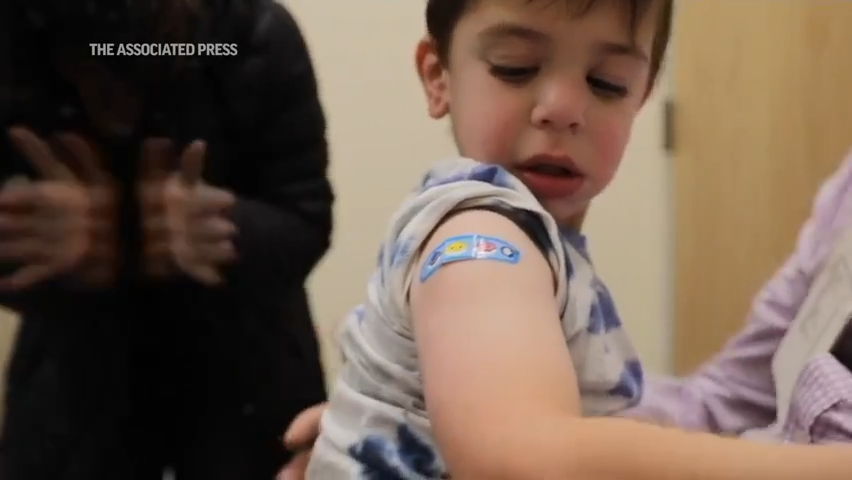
[
  {"x": 300, "y": 437},
  {"x": 185, "y": 220},
  {"x": 53, "y": 225}
]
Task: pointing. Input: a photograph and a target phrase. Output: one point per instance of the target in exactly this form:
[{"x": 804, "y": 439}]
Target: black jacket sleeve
[{"x": 284, "y": 227}]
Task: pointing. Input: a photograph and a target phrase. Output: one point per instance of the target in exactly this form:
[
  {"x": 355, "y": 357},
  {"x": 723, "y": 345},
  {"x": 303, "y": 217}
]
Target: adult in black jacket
[{"x": 141, "y": 346}]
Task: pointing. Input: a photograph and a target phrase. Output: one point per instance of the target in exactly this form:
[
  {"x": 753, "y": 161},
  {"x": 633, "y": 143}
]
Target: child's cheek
[
  {"x": 487, "y": 141},
  {"x": 610, "y": 145}
]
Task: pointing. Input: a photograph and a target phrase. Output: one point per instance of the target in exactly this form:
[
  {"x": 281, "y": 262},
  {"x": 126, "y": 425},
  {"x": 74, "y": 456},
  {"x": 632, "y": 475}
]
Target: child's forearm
[{"x": 621, "y": 449}]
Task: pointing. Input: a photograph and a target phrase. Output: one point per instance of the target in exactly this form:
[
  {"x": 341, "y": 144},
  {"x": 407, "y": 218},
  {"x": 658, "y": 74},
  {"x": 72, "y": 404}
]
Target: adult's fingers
[
  {"x": 205, "y": 274},
  {"x": 211, "y": 201},
  {"x": 21, "y": 250},
  {"x": 192, "y": 163},
  {"x": 20, "y": 198},
  {"x": 87, "y": 160},
  {"x": 26, "y": 277},
  {"x": 217, "y": 253},
  {"x": 12, "y": 226},
  {"x": 39, "y": 154},
  {"x": 55, "y": 196},
  {"x": 211, "y": 230}
]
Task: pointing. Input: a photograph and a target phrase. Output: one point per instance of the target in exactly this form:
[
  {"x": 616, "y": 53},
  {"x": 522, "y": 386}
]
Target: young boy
[{"x": 487, "y": 339}]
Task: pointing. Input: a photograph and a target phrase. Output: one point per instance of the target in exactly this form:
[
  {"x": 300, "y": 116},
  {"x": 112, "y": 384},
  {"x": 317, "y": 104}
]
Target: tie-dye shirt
[{"x": 376, "y": 425}]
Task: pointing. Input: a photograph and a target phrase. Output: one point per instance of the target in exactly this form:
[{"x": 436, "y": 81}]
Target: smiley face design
[{"x": 455, "y": 248}]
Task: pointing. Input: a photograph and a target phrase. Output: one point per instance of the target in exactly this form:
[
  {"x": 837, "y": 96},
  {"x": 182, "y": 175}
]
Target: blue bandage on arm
[{"x": 469, "y": 247}]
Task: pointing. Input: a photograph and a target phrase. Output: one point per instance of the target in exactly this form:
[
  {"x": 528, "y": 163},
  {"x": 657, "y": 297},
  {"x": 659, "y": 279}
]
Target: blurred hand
[
  {"x": 300, "y": 437},
  {"x": 62, "y": 222},
  {"x": 186, "y": 220}
]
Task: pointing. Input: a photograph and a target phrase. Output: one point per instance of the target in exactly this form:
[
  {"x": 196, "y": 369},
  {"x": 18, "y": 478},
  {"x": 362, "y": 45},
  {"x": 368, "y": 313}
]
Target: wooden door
[{"x": 762, "y": 94}]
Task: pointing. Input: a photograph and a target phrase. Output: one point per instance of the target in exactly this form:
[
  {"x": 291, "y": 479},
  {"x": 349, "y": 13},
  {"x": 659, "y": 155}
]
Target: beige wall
[
  {"x": 8, "y": 324},
  {"x": 382, "y": 141}
]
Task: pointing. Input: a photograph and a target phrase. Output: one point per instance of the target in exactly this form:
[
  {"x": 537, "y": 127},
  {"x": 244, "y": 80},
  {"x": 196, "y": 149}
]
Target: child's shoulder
[
  {"x": 454, "y": 186},
  {"x": 460, "y": 171},
  {"x": 458, "y": 184},
  {"x": 464, "y": 183}
]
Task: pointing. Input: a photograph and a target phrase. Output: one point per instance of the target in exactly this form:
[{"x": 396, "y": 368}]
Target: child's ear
[{"x": 433, "y": 77}]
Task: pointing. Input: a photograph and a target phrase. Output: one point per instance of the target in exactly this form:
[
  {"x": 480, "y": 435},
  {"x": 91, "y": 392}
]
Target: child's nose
[{"x": 561, "y": 105}]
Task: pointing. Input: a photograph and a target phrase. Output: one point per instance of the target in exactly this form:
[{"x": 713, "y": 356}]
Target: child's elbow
[
  {"x": 510, "y": 464},
  {"x": 502, "y": 450},
  {"x": 482, "y": 463},
  {"x": 470, "y": 450}
]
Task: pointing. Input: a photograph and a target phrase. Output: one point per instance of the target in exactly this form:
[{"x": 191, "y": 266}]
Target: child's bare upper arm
[{"x": 482, "y": 327}]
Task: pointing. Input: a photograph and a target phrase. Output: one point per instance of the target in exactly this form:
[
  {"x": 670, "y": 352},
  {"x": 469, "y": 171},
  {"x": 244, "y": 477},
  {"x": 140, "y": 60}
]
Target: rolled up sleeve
[{"x": 821, "y": 407}]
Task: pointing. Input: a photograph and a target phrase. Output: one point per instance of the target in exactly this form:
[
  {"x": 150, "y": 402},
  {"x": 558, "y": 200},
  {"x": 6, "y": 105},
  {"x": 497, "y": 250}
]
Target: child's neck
[
  {"x": 573, "y": 223},
  {"x": 576, "y": 222}
]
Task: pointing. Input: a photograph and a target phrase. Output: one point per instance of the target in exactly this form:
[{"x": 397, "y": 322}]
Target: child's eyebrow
[
  {"x": 503, "y": 30},
  {"x": 622, "y": 49}
]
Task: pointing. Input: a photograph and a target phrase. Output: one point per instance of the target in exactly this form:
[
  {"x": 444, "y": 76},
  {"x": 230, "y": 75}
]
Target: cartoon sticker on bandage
[{"x": 469, "y": 247}]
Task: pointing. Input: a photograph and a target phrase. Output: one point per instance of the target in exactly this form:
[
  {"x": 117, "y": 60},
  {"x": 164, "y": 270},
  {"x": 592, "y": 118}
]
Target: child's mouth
[
  {"x": 554, "y": 170},
  {"x": 549, "y": 181}
]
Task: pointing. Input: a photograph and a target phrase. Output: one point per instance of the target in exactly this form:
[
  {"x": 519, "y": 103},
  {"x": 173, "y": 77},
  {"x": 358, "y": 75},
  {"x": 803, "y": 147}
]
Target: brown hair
[{"x": 443, "y": 15}]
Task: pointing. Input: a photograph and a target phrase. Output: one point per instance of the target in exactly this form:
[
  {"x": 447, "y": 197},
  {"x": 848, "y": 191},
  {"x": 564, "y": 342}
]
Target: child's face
[{"x": 531, "y": 82}]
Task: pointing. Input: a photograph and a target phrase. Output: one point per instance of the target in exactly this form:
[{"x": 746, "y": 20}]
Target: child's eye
[
  {"x": 516, "y": 75},
  {"x": 607, "y": 89}
]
